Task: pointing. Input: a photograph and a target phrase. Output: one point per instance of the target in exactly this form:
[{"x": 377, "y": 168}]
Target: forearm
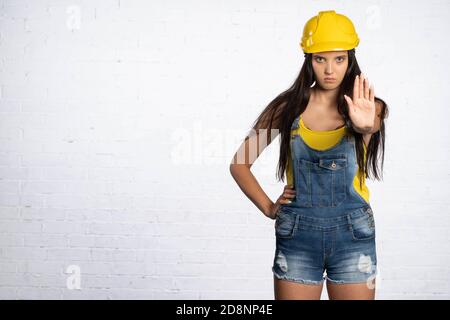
[{"x": 250, "y": 186}]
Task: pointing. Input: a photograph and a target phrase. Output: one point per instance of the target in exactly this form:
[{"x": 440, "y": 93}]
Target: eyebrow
[{"x": 318, "y": 56}]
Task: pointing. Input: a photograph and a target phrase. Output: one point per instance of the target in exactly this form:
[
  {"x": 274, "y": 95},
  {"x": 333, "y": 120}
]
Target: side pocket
[
  {"x": 371, "y": 218},
  {"x": 362, "y": 226},
  {"x": 286, "y": 225}
]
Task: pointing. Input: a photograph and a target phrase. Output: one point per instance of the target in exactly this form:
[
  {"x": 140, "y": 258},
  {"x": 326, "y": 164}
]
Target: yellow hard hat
[{"x": 328, "y": 31}]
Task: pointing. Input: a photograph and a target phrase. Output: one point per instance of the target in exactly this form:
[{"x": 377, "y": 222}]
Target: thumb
[{"x": 348, "y": 99}]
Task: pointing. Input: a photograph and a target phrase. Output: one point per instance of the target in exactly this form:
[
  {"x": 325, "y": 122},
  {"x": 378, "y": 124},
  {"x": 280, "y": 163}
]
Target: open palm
[{"x": 361, "y": 108}]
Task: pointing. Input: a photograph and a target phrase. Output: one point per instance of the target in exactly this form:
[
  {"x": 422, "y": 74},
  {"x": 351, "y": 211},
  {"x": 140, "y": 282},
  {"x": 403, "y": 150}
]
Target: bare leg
[
  {"x": 289, "y": 290},
  {"x": 351, "y": 291}
]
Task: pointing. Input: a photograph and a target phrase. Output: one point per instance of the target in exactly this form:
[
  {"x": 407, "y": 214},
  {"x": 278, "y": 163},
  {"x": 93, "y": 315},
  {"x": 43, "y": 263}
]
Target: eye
[
  {"x": 318, "y": 58},
  {"x": 340, "y": 59}
]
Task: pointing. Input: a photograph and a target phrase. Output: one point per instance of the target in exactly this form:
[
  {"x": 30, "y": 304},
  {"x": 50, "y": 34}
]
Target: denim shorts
[{"x": 340, "y": 249}]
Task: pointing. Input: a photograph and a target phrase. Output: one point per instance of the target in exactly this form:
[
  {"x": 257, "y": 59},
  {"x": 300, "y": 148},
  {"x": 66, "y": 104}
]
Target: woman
[{"x": 331, "y": 127}]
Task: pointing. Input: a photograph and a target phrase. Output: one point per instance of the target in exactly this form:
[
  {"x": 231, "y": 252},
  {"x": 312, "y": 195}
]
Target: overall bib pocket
[{"x": 321, "y": 183}]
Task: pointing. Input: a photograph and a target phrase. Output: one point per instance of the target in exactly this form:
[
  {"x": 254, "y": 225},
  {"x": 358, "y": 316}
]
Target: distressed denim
[{"x": 328, "y": 231}]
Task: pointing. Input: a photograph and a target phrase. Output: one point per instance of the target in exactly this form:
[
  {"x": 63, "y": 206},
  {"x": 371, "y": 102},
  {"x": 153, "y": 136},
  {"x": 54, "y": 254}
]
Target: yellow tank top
[{"x": 321, "y": 140}]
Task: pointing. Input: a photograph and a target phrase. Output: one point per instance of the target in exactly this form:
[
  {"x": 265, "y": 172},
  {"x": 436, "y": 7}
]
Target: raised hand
[{"x": 361, "y": 108}]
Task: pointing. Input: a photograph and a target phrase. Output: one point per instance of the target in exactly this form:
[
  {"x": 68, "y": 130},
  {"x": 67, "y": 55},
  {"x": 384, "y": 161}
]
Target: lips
[{"x": 330, "y": 79}]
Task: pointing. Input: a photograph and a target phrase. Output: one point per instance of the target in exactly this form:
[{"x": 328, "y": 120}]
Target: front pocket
[
  {"x": 322, "y": 183},
  {"x": 286, "y": 224},
  {"x": 362, "y": 227}
]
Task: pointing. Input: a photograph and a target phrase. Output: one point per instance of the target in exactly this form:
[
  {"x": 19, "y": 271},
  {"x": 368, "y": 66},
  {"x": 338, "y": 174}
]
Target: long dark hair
[{"x": 283, "y": 110}]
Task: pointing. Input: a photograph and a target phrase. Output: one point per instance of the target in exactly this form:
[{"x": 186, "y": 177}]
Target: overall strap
[{"x": 295, "y": 123}]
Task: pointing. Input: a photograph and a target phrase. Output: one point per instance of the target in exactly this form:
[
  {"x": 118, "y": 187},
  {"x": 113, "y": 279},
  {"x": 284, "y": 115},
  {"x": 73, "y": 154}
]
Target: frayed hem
[
  {"x": 301, "y": 281},
  {"x": 349, "y": 282}
]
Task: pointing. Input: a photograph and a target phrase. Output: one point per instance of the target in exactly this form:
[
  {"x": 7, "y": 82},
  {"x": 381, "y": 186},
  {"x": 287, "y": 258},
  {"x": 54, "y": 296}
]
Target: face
[{"x": 329, "y": 64}]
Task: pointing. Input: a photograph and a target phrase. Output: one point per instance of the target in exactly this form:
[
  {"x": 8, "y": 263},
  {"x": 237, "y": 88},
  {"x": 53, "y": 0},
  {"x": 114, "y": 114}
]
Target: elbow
[{"x": 234, "y": 167}]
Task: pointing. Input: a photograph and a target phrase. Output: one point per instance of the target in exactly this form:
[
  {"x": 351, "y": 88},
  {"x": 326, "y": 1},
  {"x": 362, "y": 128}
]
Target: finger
[
  {"x": 361, "y": 86},
  {"x": 356, "y": 88},
  {"x": 351, "y": 106},
  {"x": 290, "y": 191},
  {"x": 288, "y": 186},
  {"x": 349, "y": 100},
  {"x": 289, "y": 196},
  {"x": 366, "y": 88},
  {"x": 284, "y": 201},
  {"x": 372, "y": 93}
]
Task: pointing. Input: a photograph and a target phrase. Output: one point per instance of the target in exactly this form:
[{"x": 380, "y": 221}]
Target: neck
[{"x": 325, "y": 98}]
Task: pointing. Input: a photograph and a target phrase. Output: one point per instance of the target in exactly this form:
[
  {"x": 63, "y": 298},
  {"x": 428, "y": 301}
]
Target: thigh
[
  {"x": 351, "y": 291},
  {"x": 289, "y": 290}
]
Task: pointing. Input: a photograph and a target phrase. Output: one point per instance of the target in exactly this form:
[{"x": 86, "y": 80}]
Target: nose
[{"x": 328, "y": 69}]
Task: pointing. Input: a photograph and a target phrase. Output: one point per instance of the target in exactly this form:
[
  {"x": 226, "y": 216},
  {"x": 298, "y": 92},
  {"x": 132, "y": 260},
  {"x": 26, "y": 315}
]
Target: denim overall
[{"x": 328, "y": 226}]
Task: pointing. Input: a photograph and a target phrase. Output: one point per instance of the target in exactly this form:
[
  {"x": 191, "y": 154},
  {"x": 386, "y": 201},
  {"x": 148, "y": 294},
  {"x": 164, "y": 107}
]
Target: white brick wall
[{"x": 118, "y": 120}]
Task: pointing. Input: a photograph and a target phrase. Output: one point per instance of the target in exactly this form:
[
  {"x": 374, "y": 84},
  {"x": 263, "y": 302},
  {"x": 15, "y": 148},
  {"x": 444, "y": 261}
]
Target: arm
[{"x": 244, "y": 158}]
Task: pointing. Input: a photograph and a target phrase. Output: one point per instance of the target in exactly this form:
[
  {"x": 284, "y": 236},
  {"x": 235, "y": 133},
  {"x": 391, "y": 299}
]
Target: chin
[{"x": 329, "y": 86}]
